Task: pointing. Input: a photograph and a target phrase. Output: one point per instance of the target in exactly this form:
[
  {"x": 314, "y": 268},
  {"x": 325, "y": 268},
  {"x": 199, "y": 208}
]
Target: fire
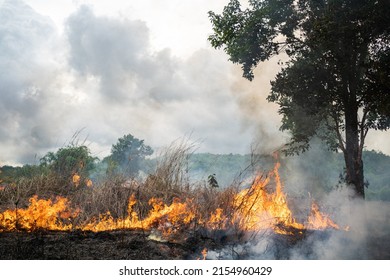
[
  {"x": 254, "y": 209},
  {"x": 318, "y": 220},
  {"x": 168, "y": 219},
  {"x": 204, "y": 254},
  {"x": 259, "y": 209},
  {"x": 88, "y": 182},
  {"x": 41, "y": 214},
  {"x": 217, "y": 220},
  {"x": 76, "y": 179}
]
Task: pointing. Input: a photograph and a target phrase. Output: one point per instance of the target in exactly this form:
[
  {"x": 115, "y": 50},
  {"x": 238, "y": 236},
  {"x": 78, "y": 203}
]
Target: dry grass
[
  {"x": 168, "y": 182},
  {"x": 170, "y": 177},
  {"x": 44, "y": 186}
]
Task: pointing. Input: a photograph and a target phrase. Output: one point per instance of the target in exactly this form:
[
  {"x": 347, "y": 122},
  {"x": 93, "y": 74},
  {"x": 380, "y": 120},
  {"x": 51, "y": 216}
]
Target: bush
[{"x": 70, "y": 161}]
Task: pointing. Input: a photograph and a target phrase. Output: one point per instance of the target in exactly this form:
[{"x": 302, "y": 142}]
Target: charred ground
[{"x": 136, "y": 245}]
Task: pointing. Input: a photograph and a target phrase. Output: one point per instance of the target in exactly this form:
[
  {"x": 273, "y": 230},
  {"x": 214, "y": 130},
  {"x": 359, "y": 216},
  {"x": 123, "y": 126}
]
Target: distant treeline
[
  {"x": 320, "y": 171},
  {"x": 314, "y": 172}
]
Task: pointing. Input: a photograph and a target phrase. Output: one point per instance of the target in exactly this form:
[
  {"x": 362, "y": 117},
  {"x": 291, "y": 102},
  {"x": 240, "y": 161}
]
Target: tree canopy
[
  {"x": 335, "y": 84},
  {"x": 128, "y": 153},
  {"x": 69, "y": 161}
]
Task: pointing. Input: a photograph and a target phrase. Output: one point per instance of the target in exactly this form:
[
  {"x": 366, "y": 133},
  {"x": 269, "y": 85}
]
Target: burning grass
[
  {"x": 262, "y": 206},
  {"x": 164, "y": 207},
  {"x": 163, "y": 216}
]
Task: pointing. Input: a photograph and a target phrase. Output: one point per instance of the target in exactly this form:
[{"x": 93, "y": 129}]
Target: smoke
[
  {"x": 103, "y": 77},
  {"x": 26, "y": 81},
  {"x": 367, "y": 235},
  {"x": 255, "y": 111},
  {"x": 311, "y": 176},
  {"x": 110, "y": 50},
  {"x": 364, "y": 234}
]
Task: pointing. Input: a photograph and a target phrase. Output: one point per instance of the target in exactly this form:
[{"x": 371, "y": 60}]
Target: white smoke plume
[
  {"x": 102, "y": 76},
  {"x": 364, "y": 234}
]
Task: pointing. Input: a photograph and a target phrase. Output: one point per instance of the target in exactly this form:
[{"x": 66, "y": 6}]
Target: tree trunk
[{"x": 353, "y": 152}]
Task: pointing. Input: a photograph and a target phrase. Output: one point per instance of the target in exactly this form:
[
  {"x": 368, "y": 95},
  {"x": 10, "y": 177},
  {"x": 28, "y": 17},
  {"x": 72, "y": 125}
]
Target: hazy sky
[{"x": 113, "y": 67}]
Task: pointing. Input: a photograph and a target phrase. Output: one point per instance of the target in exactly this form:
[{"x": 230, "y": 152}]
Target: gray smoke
[
  {"x": 26, "y": 81},
  {"x": 364, "y": 232},
  {"x": 191, "y": 95},
  {"x": 103, "y": 77}
]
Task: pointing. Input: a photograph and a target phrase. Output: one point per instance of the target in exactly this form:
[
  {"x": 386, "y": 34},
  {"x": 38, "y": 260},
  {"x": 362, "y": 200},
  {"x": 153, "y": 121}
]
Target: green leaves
[
  {"x": 128, "y": 153},
  {"x": 245, "y": 35},
  {"x": 339, "y": 57},
  {"x": 336, "y": 83},
  {"x": 70, "y": 160}
]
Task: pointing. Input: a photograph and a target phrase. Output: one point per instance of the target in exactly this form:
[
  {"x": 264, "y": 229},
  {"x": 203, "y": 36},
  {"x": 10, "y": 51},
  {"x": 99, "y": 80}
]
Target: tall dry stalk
[{"x": 170, "y": 177}]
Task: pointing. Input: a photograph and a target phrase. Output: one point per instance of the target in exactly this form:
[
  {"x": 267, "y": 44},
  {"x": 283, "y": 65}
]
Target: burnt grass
[
  {"x": 107, "y": 245},
  {"x": 118, "y": 245},
  {"x": 135, "y": 245}
]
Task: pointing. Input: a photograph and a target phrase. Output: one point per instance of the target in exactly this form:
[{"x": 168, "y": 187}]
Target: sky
[{"x": 102, "y": 69}]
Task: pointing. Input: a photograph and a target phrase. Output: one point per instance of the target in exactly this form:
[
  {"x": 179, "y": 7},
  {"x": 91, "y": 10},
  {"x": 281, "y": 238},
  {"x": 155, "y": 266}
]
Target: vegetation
[
  {"x": 70, "y": 162},
  {"x": 168, "y": 182},
  {"x": 176, "y": 169},
  {"x": 335, "y": 84},
  {"x": 127, "y": 156},
  {"x": 9, "y": 174},
  {"x": 320, "y": 170}
]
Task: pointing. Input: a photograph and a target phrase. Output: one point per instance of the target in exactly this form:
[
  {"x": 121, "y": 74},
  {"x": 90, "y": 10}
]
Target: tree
[
  {"x": 128, "y": 153},
  {"x": 70, "y": 161},
  {"x": 336, "y": 82},
  {"x": 9, "y": 174}
]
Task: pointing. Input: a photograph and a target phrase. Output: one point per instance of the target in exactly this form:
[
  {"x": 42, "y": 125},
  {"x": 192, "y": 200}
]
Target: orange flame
[
  {"x": 204, "y": 254},
  {"x": 254, "y": 209},
  {"x": 217, "y": 220},
  {"x": 41, "y": 214},
  {"x": 76, "y": 179},
  {"x": 88, "y": 182},
  {"x": 259, "y": 209},
  {"x": 318, "y": 220},
  {"x": 166, "y": 218}
]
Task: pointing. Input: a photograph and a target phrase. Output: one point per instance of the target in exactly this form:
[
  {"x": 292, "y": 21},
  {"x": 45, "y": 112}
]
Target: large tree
[{"x": 335, "y": 83}]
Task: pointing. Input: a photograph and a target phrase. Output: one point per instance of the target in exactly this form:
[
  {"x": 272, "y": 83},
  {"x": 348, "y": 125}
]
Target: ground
[
  {"x": 114, "y": 245},
  {"x": 136, "y": 245}
]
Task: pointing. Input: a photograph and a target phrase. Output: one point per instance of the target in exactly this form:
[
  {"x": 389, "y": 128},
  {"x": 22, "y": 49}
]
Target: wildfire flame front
[{"x": 254, "y": 209}]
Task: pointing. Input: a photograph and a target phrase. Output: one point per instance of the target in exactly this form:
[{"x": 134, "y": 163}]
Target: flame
[
  {"x": 217, "y": 220},
  {"x": 253, "y": 209},
  {"x": 318, "y": 220},
  {"x": 41, "y": 214},
  {"x": 204, "y": 254},
  {"x": 88, "y": 183},
  {"x": 168, "y": 219},
  {"x": 76, "y": 179},
  {"x": 259, "y": 209}
]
